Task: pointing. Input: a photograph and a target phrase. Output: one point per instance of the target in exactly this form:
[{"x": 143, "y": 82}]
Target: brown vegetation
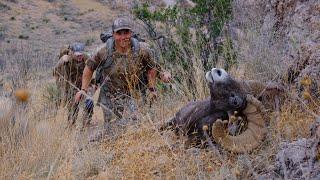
[{"x": 34, "y": 140}]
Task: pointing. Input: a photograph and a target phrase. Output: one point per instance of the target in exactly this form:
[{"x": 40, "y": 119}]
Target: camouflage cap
[{"x": 121, "y": 23}]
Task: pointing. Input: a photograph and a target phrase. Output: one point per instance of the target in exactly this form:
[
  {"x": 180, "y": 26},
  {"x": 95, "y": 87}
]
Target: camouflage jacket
[
  {"x": 126, "y": 73},
  {"x": 69, "y": 69}
]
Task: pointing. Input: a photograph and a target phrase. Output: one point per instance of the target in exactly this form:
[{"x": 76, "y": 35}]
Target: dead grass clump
[
  {"x": 90, "y": 161},
  {"x": 30, "y": 148},
  {"x": 294, "y": 122}
]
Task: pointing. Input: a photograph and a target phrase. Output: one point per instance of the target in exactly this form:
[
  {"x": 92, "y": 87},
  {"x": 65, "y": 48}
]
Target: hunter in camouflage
[
  {"x": 68, "y": 73},
  {"x": 124, "y": 68}
]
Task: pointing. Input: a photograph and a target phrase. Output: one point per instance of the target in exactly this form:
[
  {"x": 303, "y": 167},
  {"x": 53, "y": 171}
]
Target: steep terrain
[{"x": 269, "y": 37}]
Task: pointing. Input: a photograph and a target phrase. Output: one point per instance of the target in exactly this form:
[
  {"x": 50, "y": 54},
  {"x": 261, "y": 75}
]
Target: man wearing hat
[
  {"x": 124, "y": 67},
  {"x": 68, "y": 73}
]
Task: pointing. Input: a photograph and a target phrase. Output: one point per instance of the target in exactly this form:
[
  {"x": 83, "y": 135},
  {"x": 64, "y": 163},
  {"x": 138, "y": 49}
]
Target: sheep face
[{"x": 225, "y": 92}]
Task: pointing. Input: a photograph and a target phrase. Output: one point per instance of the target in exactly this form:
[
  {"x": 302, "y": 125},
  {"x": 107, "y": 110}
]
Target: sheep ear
[{"x": 209, "y": 77}]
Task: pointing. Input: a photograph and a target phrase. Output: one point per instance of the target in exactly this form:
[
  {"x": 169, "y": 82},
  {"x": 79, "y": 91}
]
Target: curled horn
[{"x": 251, "y": 137}]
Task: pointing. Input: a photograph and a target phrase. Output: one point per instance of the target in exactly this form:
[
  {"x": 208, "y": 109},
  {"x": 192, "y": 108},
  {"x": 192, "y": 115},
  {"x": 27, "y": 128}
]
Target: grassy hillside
[{"x": 40, "y": 146}]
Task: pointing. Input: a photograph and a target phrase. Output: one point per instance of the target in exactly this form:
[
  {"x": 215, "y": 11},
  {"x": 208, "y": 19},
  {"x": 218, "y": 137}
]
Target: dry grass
[
  {"x": 45, "y": 148},
  {"x": 39, "y": 146}
]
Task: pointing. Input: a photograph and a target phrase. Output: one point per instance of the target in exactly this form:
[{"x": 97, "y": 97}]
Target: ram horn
[{"x": 250, "y": 138}]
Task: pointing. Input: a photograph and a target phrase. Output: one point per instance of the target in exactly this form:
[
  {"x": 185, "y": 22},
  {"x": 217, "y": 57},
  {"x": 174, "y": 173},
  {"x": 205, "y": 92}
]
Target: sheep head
[{"x": 225, "y": 93}]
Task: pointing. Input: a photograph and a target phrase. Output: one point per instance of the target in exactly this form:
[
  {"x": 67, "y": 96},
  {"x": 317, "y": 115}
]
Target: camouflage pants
[
  {"x": 120, "y": 105},
  {"x": 73, "y": 109}
]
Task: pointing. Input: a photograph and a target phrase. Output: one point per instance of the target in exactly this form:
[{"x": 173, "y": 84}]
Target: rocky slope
[{"x": 284, "y": 33}]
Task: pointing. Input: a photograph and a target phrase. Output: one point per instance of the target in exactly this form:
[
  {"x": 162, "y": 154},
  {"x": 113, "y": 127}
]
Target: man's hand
[
  {"x": 65, "y": 58},
  {"x": 79, "y": 96},
  {"x": 165, "y": 77}
]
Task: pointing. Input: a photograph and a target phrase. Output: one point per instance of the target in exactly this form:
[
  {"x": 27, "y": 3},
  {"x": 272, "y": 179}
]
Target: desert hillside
[{"x": 274, "y": 41}]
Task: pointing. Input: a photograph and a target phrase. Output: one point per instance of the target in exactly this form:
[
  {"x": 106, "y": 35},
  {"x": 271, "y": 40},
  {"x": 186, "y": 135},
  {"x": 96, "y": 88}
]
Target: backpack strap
[
  {"x": 105, "y": 63},
  {"x": 64, "y": 50},
  {"x": 110, "y": 47},
  {"x": 135, "y": 47}
]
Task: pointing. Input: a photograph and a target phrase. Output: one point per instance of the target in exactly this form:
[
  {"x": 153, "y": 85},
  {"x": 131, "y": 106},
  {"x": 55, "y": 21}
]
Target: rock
[{"x": 297, "y": 160}]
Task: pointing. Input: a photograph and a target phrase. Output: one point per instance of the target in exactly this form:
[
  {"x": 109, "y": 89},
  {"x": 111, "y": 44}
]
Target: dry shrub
[
  {"x": 30, "y": 142},
  {"x": 30, "y": 149},
  {"x": 294, "y": 120},
  {"x": 90, "y": 161}
]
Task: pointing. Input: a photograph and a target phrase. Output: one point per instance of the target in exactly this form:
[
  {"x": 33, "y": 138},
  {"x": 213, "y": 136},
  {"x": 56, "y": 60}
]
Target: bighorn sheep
[{"x": 226, "y": 97}]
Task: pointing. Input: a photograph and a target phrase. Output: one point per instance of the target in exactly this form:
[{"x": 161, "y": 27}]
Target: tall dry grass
[
  {"x": 39, "y": 146},
  {"x": 29, "y": 138}
]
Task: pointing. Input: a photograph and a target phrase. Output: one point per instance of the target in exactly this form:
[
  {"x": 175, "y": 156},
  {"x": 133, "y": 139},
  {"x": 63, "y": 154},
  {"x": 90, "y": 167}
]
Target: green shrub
[
  {"x": 194, "y": 38},
  {"x": 208, "y": 14},
  {"x": 52, "y": 94}
]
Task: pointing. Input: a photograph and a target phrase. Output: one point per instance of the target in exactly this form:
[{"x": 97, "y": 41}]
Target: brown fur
[{"x": 226, "y": 96}]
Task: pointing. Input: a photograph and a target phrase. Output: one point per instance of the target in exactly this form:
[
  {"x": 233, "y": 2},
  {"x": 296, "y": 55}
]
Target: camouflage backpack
[{"x": 64, "y": 51}]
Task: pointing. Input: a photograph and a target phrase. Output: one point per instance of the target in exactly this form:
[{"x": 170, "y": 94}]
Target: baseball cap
[
  {"x": 121, "y": 23},
  {"x": 77, "y": 48}
]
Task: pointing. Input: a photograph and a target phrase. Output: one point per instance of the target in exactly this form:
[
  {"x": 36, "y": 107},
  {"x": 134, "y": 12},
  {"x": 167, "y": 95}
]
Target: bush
[
  {"x": 191, "y": 36},
  {"x": 52, "y": 94}
]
